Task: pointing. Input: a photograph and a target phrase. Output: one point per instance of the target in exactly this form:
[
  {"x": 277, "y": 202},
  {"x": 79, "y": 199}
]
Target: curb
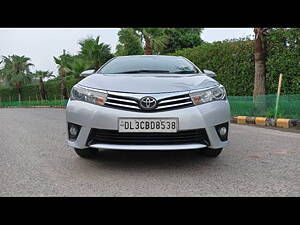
[{"x": 264, "y": 121}]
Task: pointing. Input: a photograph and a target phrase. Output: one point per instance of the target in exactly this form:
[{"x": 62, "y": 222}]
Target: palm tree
[
  {"x": 78, "y": 65},
  {"x": 179, "y": 38},
  {"x": 42, "y": 75},
  {"x": 154, "y": 39},
  {"x": 129, "y": 43},
  {"x": 16, "y": 71},
  {"x": 94, "y": 52},
  {"x": 63, "y": 62}
]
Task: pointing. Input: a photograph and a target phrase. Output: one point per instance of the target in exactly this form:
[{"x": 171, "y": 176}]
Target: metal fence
[{"x": 288, "y": 107}]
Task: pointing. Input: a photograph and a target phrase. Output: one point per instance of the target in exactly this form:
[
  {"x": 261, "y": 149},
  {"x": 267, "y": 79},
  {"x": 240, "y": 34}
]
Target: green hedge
[
  {"x": 31, "y": 92},
  {"x": 233, "y": 61},
  {"x": 59, "y": 102},
  {"x": 283, "y": 56}
]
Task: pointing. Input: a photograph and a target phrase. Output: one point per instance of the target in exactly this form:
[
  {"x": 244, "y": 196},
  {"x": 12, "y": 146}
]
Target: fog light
[
  {"x": 73, "y": 131},
  {"x": 223, "y": 131}
]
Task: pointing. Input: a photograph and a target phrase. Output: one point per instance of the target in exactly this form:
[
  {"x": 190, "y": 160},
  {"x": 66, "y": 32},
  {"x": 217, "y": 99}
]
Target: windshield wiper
[
  {"x": 157, "y": 71},
  {"x": 184, "y": 72},
  {"x": 146, "y": 71}
]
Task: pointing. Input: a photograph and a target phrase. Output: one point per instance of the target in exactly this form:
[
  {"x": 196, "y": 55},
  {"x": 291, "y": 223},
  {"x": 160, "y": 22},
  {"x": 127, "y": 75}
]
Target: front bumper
[{"x": 90, "y": 116}]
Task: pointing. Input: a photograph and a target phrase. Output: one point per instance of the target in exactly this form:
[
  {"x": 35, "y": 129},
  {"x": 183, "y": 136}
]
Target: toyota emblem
[{"x": 148, "y": 103}]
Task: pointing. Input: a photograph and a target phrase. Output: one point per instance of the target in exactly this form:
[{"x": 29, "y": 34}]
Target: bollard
[
  {"x": 241, "y": 119},
  {"x": 283, "y": 123},
  {"x": 261, "y": 121}
]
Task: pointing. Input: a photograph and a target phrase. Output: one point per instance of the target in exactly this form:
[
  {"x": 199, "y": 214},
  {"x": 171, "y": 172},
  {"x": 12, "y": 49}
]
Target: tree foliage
[
  {"x": 16, "y": 71},
  {"x": 79, "y": 64},
  {"x": 132, "y": 41},
  {"x": 153, "y": 40},
  {"x": 63, "y": 62},
  {"x": 92, "y": 55},
  {"x": 283, "y": 56},
  {"x": 72, "y": 65},
  {"x": 42, "y": 75},
  {"x": 129, "y": 43},
  {"x": 179, "y": 38},
  {"x": 94, "y": 52}
]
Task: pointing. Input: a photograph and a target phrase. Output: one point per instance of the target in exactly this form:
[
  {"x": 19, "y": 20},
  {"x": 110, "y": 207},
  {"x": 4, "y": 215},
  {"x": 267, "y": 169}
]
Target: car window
[{"x": 148, "y": 64}]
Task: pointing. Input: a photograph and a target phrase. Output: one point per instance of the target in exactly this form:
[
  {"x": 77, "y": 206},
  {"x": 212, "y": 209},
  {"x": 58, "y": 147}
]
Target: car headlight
[
  {"x": 89, "y": 95},
  {"x": 208, "y": 95}
]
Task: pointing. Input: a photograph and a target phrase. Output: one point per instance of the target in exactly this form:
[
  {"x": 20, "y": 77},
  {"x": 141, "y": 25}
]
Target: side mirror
[
  {"x": 87, "y": 73},
  {"x": 210, "y": 73}
]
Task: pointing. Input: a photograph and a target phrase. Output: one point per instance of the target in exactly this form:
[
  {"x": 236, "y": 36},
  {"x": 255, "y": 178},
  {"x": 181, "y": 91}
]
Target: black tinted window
[{"x": 148, "y": 64}]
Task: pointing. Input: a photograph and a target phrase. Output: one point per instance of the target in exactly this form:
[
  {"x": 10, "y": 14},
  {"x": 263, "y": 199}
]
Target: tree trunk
[
  {"x": 260, "y": 71},
  {"x": 42, "y": 89},
  {"x": 148, "y": 48},
  {"x": 18, "y": 86},
  {"x": 64, "y": 90},
  {"x": 260, "y": 64},
  {"x": 64, "y": 93}
]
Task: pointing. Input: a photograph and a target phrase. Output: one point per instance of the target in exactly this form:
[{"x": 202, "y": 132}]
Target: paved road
[{"x": 35, "y": 161}]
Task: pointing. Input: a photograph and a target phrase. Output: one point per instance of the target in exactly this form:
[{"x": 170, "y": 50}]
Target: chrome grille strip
[
  {"x": 122, "y": 106},
  {"x": 174, "y": 100},
  {"x": 174, "y": 105},
  {"x": 122, "y": 100}
]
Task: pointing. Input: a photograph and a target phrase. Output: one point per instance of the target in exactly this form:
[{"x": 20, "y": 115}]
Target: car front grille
[
  {"x": 122, "y": 102},
  {"x": 198, "y": 136},
  {"x": 165, "y": 102}
]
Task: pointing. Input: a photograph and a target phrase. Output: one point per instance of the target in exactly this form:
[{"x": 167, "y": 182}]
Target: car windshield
[{"x": 149, "y": 64}]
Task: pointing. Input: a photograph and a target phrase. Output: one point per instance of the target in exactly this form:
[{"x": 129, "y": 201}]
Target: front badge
[{"x": 148, "y": 103}]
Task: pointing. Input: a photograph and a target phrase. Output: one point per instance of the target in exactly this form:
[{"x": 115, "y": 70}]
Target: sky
[{"x": 41, "y": 44}]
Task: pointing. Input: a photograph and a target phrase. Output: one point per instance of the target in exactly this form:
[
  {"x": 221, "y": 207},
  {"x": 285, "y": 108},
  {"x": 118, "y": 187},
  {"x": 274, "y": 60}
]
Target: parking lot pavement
[{"x": 35, "y": 161}]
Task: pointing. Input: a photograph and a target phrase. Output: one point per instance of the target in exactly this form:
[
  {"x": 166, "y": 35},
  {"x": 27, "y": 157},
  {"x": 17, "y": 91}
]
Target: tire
[
  {"x": 209, "y": 152},
  {"x": 87, "y": 153}
]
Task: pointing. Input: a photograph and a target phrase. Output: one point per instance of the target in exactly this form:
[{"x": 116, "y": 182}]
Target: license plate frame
[{"x": 123, "y": 129}]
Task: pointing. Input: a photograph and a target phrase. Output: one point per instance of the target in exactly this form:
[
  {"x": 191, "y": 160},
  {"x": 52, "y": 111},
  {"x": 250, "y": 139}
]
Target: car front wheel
[
  {"x": 87, "y": 153},
  {"x": 211, "y": 152}
]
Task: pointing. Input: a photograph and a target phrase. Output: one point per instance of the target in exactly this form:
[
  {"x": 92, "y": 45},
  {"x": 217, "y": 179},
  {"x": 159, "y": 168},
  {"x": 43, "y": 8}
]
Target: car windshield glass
[{"x": 149, "y": 64}]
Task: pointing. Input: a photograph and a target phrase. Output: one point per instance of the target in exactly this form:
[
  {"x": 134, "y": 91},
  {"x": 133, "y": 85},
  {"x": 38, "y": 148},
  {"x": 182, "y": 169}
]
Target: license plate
[{"x": 151, "y": 125}]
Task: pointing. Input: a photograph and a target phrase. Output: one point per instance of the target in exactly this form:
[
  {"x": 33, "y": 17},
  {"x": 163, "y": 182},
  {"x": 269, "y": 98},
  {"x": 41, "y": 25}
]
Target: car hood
[{"x": 148, "y": 83}]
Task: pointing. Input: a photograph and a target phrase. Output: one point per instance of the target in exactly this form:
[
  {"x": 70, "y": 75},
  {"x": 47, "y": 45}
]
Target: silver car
[{"x": 148, "y": 102}]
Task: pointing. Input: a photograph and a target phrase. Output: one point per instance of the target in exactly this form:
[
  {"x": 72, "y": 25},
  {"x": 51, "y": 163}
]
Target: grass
[{"x": 35, "y": 103}]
